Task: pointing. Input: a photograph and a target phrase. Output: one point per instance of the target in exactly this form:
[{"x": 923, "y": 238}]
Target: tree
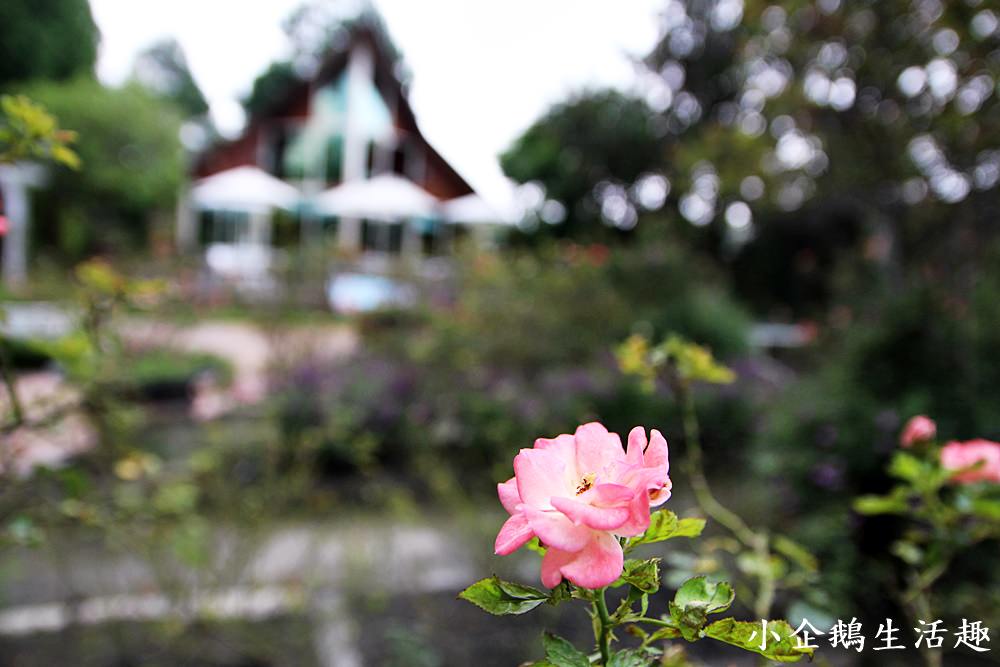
[
  {"x": 46, "y": 39},
  {"x": 163, "y": 69},
  {"x": 129, "y": 142},
  {"x": 270, "y": 86},
  {"x": 798, "y": 134},
  {"x": 887, "y": 108},
  {"x": 585, "y": 153}
]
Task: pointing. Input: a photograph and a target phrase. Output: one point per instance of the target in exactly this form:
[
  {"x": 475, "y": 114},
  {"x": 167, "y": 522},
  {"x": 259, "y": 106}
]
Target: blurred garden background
[{"x": 260, "y": 381}]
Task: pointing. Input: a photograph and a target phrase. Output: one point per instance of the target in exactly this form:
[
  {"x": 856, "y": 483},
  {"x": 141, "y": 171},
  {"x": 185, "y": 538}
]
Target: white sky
[{"x": 483, "y": 70}]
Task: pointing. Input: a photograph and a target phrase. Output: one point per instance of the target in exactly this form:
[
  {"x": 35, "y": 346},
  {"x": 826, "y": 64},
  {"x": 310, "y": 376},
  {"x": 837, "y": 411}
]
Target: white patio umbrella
[
  {"x": 471, "y": 209},
  {"x": 249, "y": 189},
  {"x": 385, "y": 198}
]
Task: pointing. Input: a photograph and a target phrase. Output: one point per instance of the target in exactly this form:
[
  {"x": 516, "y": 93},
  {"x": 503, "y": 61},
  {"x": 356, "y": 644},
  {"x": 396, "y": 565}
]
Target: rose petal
[
  {"x": 552, "y": 564},
  {"x": 596, "y": 449},
  {"x": 636, "y": 446},
  {"x": 513, "y": 534},
  {"x": 540, "y": 474},
  {"x": 509, "y": 496},
  {"x": 596, "y": 565},
  {"x": 555, "y": 529},
  {"x": 657, "y": 453},
  {"x": 598, "y": 518}
]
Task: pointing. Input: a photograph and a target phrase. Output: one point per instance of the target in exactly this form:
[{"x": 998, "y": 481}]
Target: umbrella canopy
[
  {"x": 385, "y": 197},
  {"x": 243, "y": 189},
  {"x": 472, "y": 209}
]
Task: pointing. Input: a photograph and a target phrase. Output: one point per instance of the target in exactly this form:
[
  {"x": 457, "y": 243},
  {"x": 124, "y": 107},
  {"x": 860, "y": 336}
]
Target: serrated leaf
[
  {"x": 664, "y": 525},
  {"x": 503, "y": 597},
  {"x": 631, "y": 658},
  {"x": 713, "y": 596},
  {"x": 560, "y": 653},
  {"x": 520, "y": 591},
  {"x": 665, "y": 633},
  {"x": 695, "y": 600},
  {"x": 689, "y": 527},
  {"x": 747, "y": 636},
  {"x": 642, "y": 574}
]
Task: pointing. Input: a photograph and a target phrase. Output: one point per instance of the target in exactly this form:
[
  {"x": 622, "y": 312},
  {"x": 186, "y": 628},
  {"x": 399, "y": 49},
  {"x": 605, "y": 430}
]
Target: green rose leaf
[
  {"x": 907, "y": 467},
  {"x": 534, "y": 544},
  {"x": 711, "y": 596},
  {"x": 642, "y": 574},
  {"x": 748, "y": 636},
  {"x": 695, "y": 600},
  {"x": 561, "y": 593},
  {"x": 664, "y": 525},
  {"x": 501, "y": 598},
  {"x": 892, "y": 504},
  {"x": 630, "y": 658},
  {"x": 987, "y": 508},
  {"x": 560, "y": 653}
]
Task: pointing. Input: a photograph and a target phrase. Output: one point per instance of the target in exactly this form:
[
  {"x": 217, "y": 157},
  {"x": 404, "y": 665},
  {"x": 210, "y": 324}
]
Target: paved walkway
[{"x": 303, "y": 568}]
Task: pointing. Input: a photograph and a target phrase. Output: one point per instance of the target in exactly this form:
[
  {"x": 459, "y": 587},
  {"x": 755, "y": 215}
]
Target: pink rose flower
[
  {"x": 918, "y": 429},
  {"x": 962, "y": 455},
  {"x": 578, "y": 494},
  {"x": 4, "y": 225}
]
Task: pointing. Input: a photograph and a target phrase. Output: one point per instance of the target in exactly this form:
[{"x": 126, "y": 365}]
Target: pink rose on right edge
[
  {"x": 960, "y": 456},
  {"x": 578, "y": 494},
  {"x": 919, "y": 429}
]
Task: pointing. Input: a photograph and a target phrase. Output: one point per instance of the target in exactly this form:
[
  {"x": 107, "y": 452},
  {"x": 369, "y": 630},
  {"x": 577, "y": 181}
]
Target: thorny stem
[
  {"x": 757, "y": 541},
  {"x": 604, "y": 631}
]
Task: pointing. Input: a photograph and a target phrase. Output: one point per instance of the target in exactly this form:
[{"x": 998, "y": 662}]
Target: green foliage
[
  {"x": 694, "y": 601},
  {"x": 629, "y": 658},
  {"x": 567, "y": 303},
  {"x": 747, "y": 636},
  {"x": 270, "y": 87},
  {"x": 169, "y": 373},
  {"x": 921, "y": 349},
  {"x": 664, "y": 525},
  {"x": 501, "y": 598},
  {"x": 941, "y": 521},
  {"x": 29, "y": 132},
  {"x": 522, "y": 352},
  {"x": 560, "y": 653},
  {"x": 688, "y": 362},
  {"x": 129, "y": 143},
  {"x": 594, "y": 138},
  {"x": 51, "y": 39},
  {"x": 643, "y": 575}
]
